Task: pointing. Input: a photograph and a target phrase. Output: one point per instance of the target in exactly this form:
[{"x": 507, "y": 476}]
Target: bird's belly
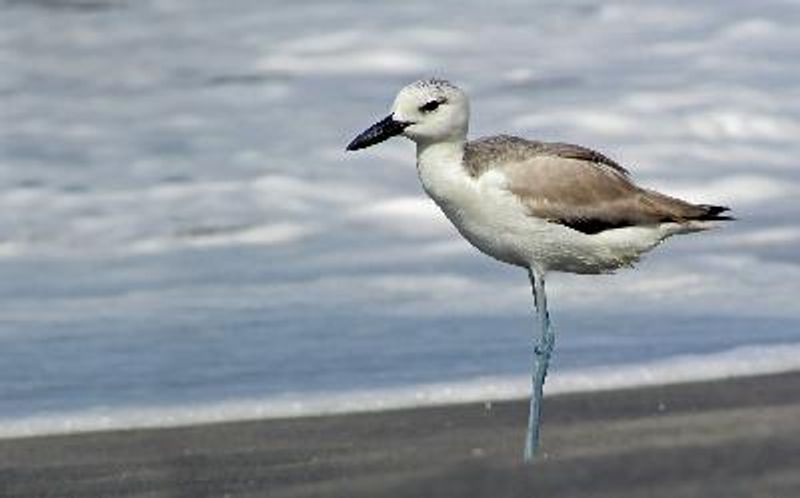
[
  {"x": 530, "y": 241},
  {"x": 533, "y": 242},
  {"x": 492, "y": 239},
  {"x": 501, "y": 227},
  {"x": 493, "y": 220}
]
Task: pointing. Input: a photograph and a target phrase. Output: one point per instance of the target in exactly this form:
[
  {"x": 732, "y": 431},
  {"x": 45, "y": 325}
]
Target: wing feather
[{"x": 578, "y": 187}]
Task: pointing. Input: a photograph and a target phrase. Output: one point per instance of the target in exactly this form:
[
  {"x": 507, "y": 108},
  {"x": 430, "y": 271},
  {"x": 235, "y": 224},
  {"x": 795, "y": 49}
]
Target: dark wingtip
[{"x": 714, "y": 213}]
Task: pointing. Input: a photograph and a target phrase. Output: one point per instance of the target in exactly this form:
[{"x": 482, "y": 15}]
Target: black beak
[{"x": 377, "y": 133}]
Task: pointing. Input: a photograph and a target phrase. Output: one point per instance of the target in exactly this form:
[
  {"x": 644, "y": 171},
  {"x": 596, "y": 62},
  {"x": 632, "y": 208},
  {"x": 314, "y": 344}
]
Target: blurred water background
[{"x": 183, "y": 238}]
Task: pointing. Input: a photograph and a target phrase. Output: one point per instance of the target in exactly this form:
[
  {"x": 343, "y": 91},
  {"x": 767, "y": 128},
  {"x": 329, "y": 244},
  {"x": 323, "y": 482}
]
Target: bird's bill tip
[{"x": 377, "y": 133}]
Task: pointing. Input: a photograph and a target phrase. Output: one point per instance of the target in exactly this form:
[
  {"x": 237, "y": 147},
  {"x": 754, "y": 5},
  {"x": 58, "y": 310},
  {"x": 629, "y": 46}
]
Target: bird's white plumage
[
  {"x": 487, "y": 207},
  {"x": 491, "y": 218}
]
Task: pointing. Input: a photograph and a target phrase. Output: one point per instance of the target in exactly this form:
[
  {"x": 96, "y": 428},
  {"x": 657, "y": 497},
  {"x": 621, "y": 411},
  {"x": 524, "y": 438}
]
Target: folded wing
[{"x": 579, "y": 188}]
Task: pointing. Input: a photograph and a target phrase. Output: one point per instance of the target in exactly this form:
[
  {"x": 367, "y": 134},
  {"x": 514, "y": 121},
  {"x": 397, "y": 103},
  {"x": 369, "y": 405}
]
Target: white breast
[{"x": 483, "y": 211}]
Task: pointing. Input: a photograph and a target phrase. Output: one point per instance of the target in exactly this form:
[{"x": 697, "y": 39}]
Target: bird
[{"x": 542, "y": 206}]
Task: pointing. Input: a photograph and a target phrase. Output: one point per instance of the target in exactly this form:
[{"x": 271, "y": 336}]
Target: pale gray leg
[{"x": 542, "y": 349}]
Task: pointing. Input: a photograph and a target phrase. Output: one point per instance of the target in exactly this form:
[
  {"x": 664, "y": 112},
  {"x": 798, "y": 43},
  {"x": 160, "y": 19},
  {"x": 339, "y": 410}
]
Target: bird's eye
[{"x": 430, "y": 106}]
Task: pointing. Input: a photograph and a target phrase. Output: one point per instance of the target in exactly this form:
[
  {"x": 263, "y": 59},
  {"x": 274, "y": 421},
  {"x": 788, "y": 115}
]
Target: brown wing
[{"x": 583, "y": 189}]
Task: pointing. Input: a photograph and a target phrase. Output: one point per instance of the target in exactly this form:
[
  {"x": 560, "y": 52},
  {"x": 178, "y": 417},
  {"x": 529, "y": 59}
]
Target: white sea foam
[
  {"x": 704, "y": 122},
  {"x": 390, "y": 61},
  {"x": 771, "y": 236},
  {"x": 412, "y": 215},
  {"x": 351, "y": 52},
  {"x": 741, "y": 190},
  {"x": 265, "y": 235},
  {"x": 744, "y": 361}
]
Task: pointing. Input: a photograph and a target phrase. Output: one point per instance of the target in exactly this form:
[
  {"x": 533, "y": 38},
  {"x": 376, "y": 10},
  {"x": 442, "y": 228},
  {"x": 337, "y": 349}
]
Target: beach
[{"x": 735, "y": 437}]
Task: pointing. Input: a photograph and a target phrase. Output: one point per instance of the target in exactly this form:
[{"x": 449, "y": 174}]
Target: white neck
[
  {"x": 429, "y": 154},
  {"x": 441, "y": 170}
]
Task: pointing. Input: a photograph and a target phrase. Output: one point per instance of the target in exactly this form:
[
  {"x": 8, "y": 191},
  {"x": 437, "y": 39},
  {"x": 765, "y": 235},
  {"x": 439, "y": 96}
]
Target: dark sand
[{"x": 716, "y": 439}]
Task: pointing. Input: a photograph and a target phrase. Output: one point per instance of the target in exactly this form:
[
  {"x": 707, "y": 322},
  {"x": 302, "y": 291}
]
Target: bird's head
[{"x": 426, "y": 111}]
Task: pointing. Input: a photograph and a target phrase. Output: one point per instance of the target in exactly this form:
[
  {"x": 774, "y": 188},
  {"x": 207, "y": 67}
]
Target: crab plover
[{"x": 542, "y": 206}]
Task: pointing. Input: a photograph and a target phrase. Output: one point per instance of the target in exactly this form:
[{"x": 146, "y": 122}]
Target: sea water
[{"x": 184, "y": 239}]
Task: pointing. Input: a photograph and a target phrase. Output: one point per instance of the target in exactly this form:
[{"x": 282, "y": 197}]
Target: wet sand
[{"x": 729, "y": 438}]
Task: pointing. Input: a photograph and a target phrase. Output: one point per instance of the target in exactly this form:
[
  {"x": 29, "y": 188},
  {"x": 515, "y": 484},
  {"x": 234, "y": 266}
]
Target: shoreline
[
  {"x": 695, "y": 439},
  {"x": 747, "y": 361}
]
